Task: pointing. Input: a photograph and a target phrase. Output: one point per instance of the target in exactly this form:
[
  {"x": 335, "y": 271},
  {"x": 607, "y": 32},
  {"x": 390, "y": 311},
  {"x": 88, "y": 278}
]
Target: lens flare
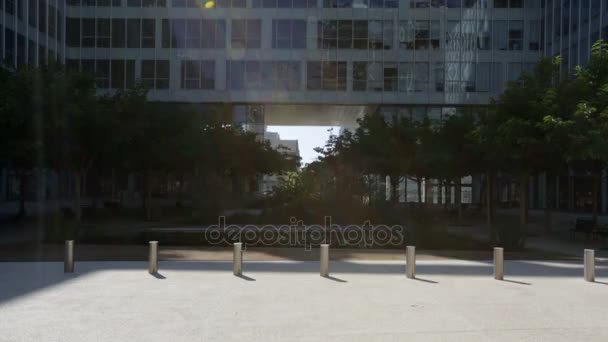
[{"x": 209, "y": 4}]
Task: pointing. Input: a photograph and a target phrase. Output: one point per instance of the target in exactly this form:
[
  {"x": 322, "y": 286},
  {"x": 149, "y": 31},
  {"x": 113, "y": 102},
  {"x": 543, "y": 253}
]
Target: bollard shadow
[
  {"x": 425, "y": 280},
  {"x": 338, "y": 280},
  {"x": 158, "y": 275},
  {"x": 516, "y": 282},
  {"x": 601, "y": 282},
  {"x": 244, "y": 277}
]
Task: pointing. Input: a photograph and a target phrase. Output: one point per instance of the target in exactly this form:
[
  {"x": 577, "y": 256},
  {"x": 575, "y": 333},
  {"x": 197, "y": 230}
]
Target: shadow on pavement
[{"x": 19, "y": 279}]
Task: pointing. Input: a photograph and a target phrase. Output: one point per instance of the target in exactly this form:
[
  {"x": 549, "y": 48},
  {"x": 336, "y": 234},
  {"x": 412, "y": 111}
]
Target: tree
[
  {"x": 78, "y": 131},
  {"x": 21, "y": 121},
  {"x": 520, "y": 134},
  {"x": 457, "y": 152},
  {"x": 584, "y": 135}
]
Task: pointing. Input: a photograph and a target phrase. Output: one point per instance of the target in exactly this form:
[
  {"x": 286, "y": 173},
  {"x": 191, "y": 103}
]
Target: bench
[{"x": 583, "y": 225}]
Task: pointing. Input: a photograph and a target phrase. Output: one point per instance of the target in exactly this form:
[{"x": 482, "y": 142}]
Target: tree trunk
[
  {"x": 490, "y": 206},
  {"x": 148, "y": 200},
  {"x": 78, "y": 196},
  {"x": 394, "y": 189},
  {"x": 22, "y": 190},
  {"x": 458, "y": 197},
  {"x": 523, "y": 200},
  {"x": 419, "y": 182},
  {"x": 595, "y": 192},
  {"x": 549, "y": 196}
]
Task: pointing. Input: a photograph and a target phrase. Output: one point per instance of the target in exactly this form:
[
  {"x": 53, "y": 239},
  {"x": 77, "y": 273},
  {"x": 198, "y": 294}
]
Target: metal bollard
[
  {"x": 153, "y": 258},
  {"x": 324, "y": 270},
  {"x": 499, "y": 263},
  {"x": 68, "y": 261},
  {"x": 237, "y": 259},
  {"x": 589, "y": 265},
  {"x": 410, "y": 262}
]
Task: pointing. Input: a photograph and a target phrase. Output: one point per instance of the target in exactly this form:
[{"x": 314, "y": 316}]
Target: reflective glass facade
[{"x": 418, "y": 52}]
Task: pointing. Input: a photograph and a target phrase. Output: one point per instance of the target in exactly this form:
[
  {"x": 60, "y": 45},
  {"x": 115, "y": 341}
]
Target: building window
[
  {"x": 148, "y": 33},
  {"x": 534, "y": 35},
  {"x": 482, "y": 77},
  {"x": 123, "y": 74},
  {"x": 244, "y": 75},
  {"x": 32, "y": 13},
  {"x": 358, "y": 34},
  {"x": 508, "y": 3},
  {"x": 286, "y": 75},
  {"x": 231, "y": 3},
  {"x": 193, "y": 33},
  {"x": 413, "y": 77},
  {"x": 419, "y": 34},
  {"x": 380, "y": 34},
  {"x": 133, "y": 33},
  {"x": 88, "y": 32},
  {"x": 146, "y": 3},
  {"x": 246, "y": 33},
  {"x": 516, "y": 35},
  {"x": 500, "y": 35},
  {"x": 198, "y": 74},
  {"x": 155, "y": 74},
  {"x": 360, "y": 3},
  {"x": 284, "y": 3},
  {"x": 459, "y": 77},
  {"x": 214, "y": 34},
  {"x": 326, "y": 75},
  {"x": 42, "y": 17},
  {"x": 102, "y": 73},
  {"x": 116, "y": 74},
  {"x": 267, "y": 75},
  {"x": 375, "y": 76},
  {"x": 73, "y": 32},
  {"x": 288, "y": 34},
  {"x": 118, "y": 33},
  {"x": 359, "y": 76},
  {"x": 103, "y": 33},
  {"x": 52, "y": 21},
  {"x": 328, "y": 34},
  {"x": 439, "y": 77}
]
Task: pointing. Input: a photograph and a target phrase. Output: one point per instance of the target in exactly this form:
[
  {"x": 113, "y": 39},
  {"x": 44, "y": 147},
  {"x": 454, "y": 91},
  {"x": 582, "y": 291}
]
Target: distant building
[{"x": 287, "y": 147}]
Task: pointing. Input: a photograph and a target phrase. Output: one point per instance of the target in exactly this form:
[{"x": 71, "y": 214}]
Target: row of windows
[
  {"x": 291, "y": 34},
  {"x": 309, "y": 3},
  {"x": 116, "y": 33},
  {"x": 115, "y": 73},
  {"x": 266, "y": 75},
  {"x": 24, "y": 50},
  {"x": 118, "y": 3},
  {"x": 40, "y": 14},
  {"x": 426, "y": 34},
  {"x": 449, "y": 77}
]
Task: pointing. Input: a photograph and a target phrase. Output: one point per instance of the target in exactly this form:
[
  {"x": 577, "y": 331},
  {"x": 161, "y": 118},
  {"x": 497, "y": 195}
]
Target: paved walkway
[{"x": 288, "y": 301}]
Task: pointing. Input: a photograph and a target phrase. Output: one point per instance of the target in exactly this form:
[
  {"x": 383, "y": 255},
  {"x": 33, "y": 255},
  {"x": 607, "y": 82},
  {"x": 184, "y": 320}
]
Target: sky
[{"x": 308, "y": 138}]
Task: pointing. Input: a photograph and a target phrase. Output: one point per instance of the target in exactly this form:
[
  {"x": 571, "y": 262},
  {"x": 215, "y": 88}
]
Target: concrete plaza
[{"x": 288, "y": 301}]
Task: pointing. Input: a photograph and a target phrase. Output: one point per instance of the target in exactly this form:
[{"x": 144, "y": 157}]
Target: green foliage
[{"x": 56, "y": 119}]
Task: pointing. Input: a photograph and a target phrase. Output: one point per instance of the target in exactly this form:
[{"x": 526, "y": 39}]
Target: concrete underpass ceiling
[{"x": 313, "y": 115}]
